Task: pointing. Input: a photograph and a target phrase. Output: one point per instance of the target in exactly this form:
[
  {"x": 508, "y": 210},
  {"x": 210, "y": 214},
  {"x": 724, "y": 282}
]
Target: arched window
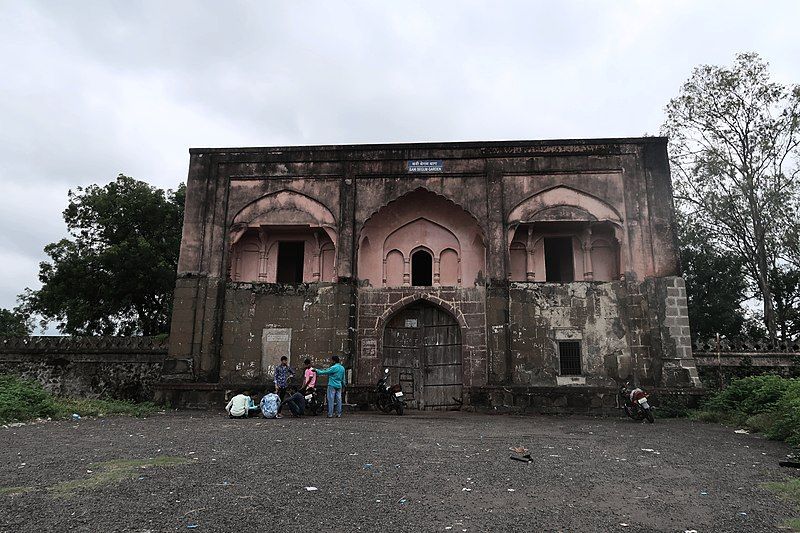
[{"x": 421, "y": 269}]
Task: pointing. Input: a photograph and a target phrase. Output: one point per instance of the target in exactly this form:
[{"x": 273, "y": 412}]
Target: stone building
[{"x": 535, "y": 273}]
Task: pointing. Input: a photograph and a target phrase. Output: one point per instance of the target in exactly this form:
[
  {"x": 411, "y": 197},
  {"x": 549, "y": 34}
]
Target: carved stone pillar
[
  {"x": 406, "y": 271},
  {"x": 262, "y": 254},
  {"x": 315, "y": 275},
  {"x": 530, "y": 266},
  {"x": 436, "y": 272},
  {"x": 588, "y": 273}
]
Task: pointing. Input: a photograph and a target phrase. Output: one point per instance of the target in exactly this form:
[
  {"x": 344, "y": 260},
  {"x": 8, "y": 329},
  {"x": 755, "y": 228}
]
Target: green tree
[
  {"x": 786, "y": 287},
  {"x": 115, "y": 275},
  {"x": 14, "y": 323},
  {"x": 715, "y": 284},
  {"x": 733, "y": 148}
]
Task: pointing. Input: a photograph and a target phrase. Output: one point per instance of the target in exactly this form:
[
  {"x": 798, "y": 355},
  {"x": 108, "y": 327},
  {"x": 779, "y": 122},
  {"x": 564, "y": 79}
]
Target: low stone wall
[
  {"x": 720, "y": 361},
  {"x": 571, "y": 399},
  {"x": 125, "y": 368}
]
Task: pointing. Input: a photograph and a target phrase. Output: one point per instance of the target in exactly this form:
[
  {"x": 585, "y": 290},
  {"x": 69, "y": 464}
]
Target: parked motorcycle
[
  {"x": 315, "y": 402},
  {"x": 635, "y": 403},
  {"x": 389, "y": 398}
]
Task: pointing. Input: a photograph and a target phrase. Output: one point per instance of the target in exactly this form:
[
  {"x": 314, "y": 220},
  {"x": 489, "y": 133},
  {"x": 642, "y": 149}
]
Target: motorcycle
[
  {"x": 315, "y": 403},
  {"x": 389, "y": 398},
  {"x": 635, "y": 403}
]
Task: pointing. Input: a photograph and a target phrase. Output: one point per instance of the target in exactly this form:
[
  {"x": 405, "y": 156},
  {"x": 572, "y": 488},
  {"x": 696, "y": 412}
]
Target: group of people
[{"x": 243, "y": 405}]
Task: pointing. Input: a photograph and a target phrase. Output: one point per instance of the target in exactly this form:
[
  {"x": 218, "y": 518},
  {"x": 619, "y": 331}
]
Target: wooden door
[
  {"x": 401, "y": 354},
  {"x": 422, "y": 350},
  {"x": 441, "y": 346}
]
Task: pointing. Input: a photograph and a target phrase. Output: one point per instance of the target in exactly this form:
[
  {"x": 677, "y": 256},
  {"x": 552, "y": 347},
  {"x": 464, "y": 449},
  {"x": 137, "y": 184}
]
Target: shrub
[
  {"x": 749, "y": 396},
  {"x": 768, "y": 404},
  {"x": 22, "y": 399},
  {"x": 762, "y": 422},
  {"x": 787, "y": 423}
]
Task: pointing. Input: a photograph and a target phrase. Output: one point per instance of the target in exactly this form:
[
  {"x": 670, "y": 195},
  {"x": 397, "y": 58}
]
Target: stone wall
[
  {"x": 625, "y": 330},
  {"x": 125, "y": 368},
  {"x": 264, "y": 321},
  {"x": 541, "y": 315}
]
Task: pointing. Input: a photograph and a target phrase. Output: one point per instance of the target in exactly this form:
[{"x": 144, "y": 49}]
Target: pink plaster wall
[{"x": 421, "y": 219}]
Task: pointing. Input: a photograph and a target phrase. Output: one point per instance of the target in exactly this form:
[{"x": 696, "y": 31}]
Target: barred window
[{"x": 569, "y": 353}]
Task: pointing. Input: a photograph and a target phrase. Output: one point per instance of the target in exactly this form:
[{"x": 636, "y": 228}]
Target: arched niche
[
  {"x": 565, "y": 251},
  {"x": 554, "y": 232},
  {"x": 421, "y": 219},
  {"x": 283, "y": 237},
  {"x": 421, "y": 232},
  {"x": 449, "y": 268}
]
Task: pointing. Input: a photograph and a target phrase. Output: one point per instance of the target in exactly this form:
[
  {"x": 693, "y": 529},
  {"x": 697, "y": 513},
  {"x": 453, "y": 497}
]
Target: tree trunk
[{"x": 769, "y": 306}]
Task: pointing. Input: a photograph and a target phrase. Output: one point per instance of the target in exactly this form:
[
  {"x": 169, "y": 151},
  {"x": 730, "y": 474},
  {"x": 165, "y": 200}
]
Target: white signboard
[{"x": 275, "y": 343}]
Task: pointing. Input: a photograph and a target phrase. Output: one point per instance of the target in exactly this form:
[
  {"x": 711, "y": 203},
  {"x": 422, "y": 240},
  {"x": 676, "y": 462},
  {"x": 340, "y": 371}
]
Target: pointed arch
[
  {"x": 562, "y": 203},
  {"x": 391, "y": 203},
  {"x": 419, "y": 230},
  {"x": 284, "y": 207},
  {"x": 393, "y": 309}
]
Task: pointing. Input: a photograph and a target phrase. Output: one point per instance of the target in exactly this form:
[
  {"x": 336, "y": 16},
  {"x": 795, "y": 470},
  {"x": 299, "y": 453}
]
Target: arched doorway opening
[
  {"x": 421, "y": 269},
  {"x": 422, "y": 350}
]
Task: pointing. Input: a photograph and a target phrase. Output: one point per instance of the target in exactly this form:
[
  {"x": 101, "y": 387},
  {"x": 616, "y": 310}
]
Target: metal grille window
[{"x": 569, "y": 353}]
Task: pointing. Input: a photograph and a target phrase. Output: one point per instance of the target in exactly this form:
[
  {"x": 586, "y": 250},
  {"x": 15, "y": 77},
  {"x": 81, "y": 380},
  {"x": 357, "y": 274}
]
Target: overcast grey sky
[{"x": 92, "y": 89}]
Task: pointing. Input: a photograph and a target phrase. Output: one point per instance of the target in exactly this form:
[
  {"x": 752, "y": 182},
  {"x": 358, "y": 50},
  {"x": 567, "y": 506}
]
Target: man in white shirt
[{"x": 237, "y": 407}]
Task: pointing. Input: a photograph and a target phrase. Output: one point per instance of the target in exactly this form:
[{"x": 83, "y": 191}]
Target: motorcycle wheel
[
  {"x": 629, "y": 412},
  {"x": 382, "y": 404},
  {"x": 649, "y": 414},
  {"x": 400, "y": 408}
]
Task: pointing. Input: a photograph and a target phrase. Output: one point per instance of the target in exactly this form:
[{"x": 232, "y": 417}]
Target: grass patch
[
  {"x": 87, "y": 407},
  {"x": 788, "y": 490},
  {"x": 22, "y": 400},
  {"x": 10, "y": 491},
  {"x": 793, "y": 523},
  {"x": 110, "y": 472}
]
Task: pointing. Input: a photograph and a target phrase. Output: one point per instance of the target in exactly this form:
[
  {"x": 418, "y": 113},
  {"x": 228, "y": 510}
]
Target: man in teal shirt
[{"x": 335, "y": 383}]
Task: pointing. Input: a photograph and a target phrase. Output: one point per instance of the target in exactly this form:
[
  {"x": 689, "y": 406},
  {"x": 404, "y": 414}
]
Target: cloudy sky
[{"x": 92, "y": 89}]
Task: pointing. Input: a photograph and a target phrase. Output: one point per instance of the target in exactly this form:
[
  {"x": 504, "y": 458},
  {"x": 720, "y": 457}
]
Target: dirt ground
[{"x": 421, "y": 472}]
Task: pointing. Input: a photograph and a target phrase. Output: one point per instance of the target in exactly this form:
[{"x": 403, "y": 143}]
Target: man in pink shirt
[{"x": 309, "y": 376}]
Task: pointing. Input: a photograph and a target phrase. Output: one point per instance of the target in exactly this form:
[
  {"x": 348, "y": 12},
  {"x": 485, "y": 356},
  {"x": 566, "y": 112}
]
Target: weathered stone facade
[{"x": 466, "y": 268}]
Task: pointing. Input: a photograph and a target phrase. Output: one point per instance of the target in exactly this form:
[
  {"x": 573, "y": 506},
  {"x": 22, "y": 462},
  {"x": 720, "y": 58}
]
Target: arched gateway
[{"x": 422, "y": 350}]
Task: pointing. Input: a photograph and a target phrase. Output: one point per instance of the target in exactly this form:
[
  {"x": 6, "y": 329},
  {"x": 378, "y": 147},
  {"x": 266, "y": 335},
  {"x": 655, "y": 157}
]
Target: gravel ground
[{"x": 419, "y": 472}]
